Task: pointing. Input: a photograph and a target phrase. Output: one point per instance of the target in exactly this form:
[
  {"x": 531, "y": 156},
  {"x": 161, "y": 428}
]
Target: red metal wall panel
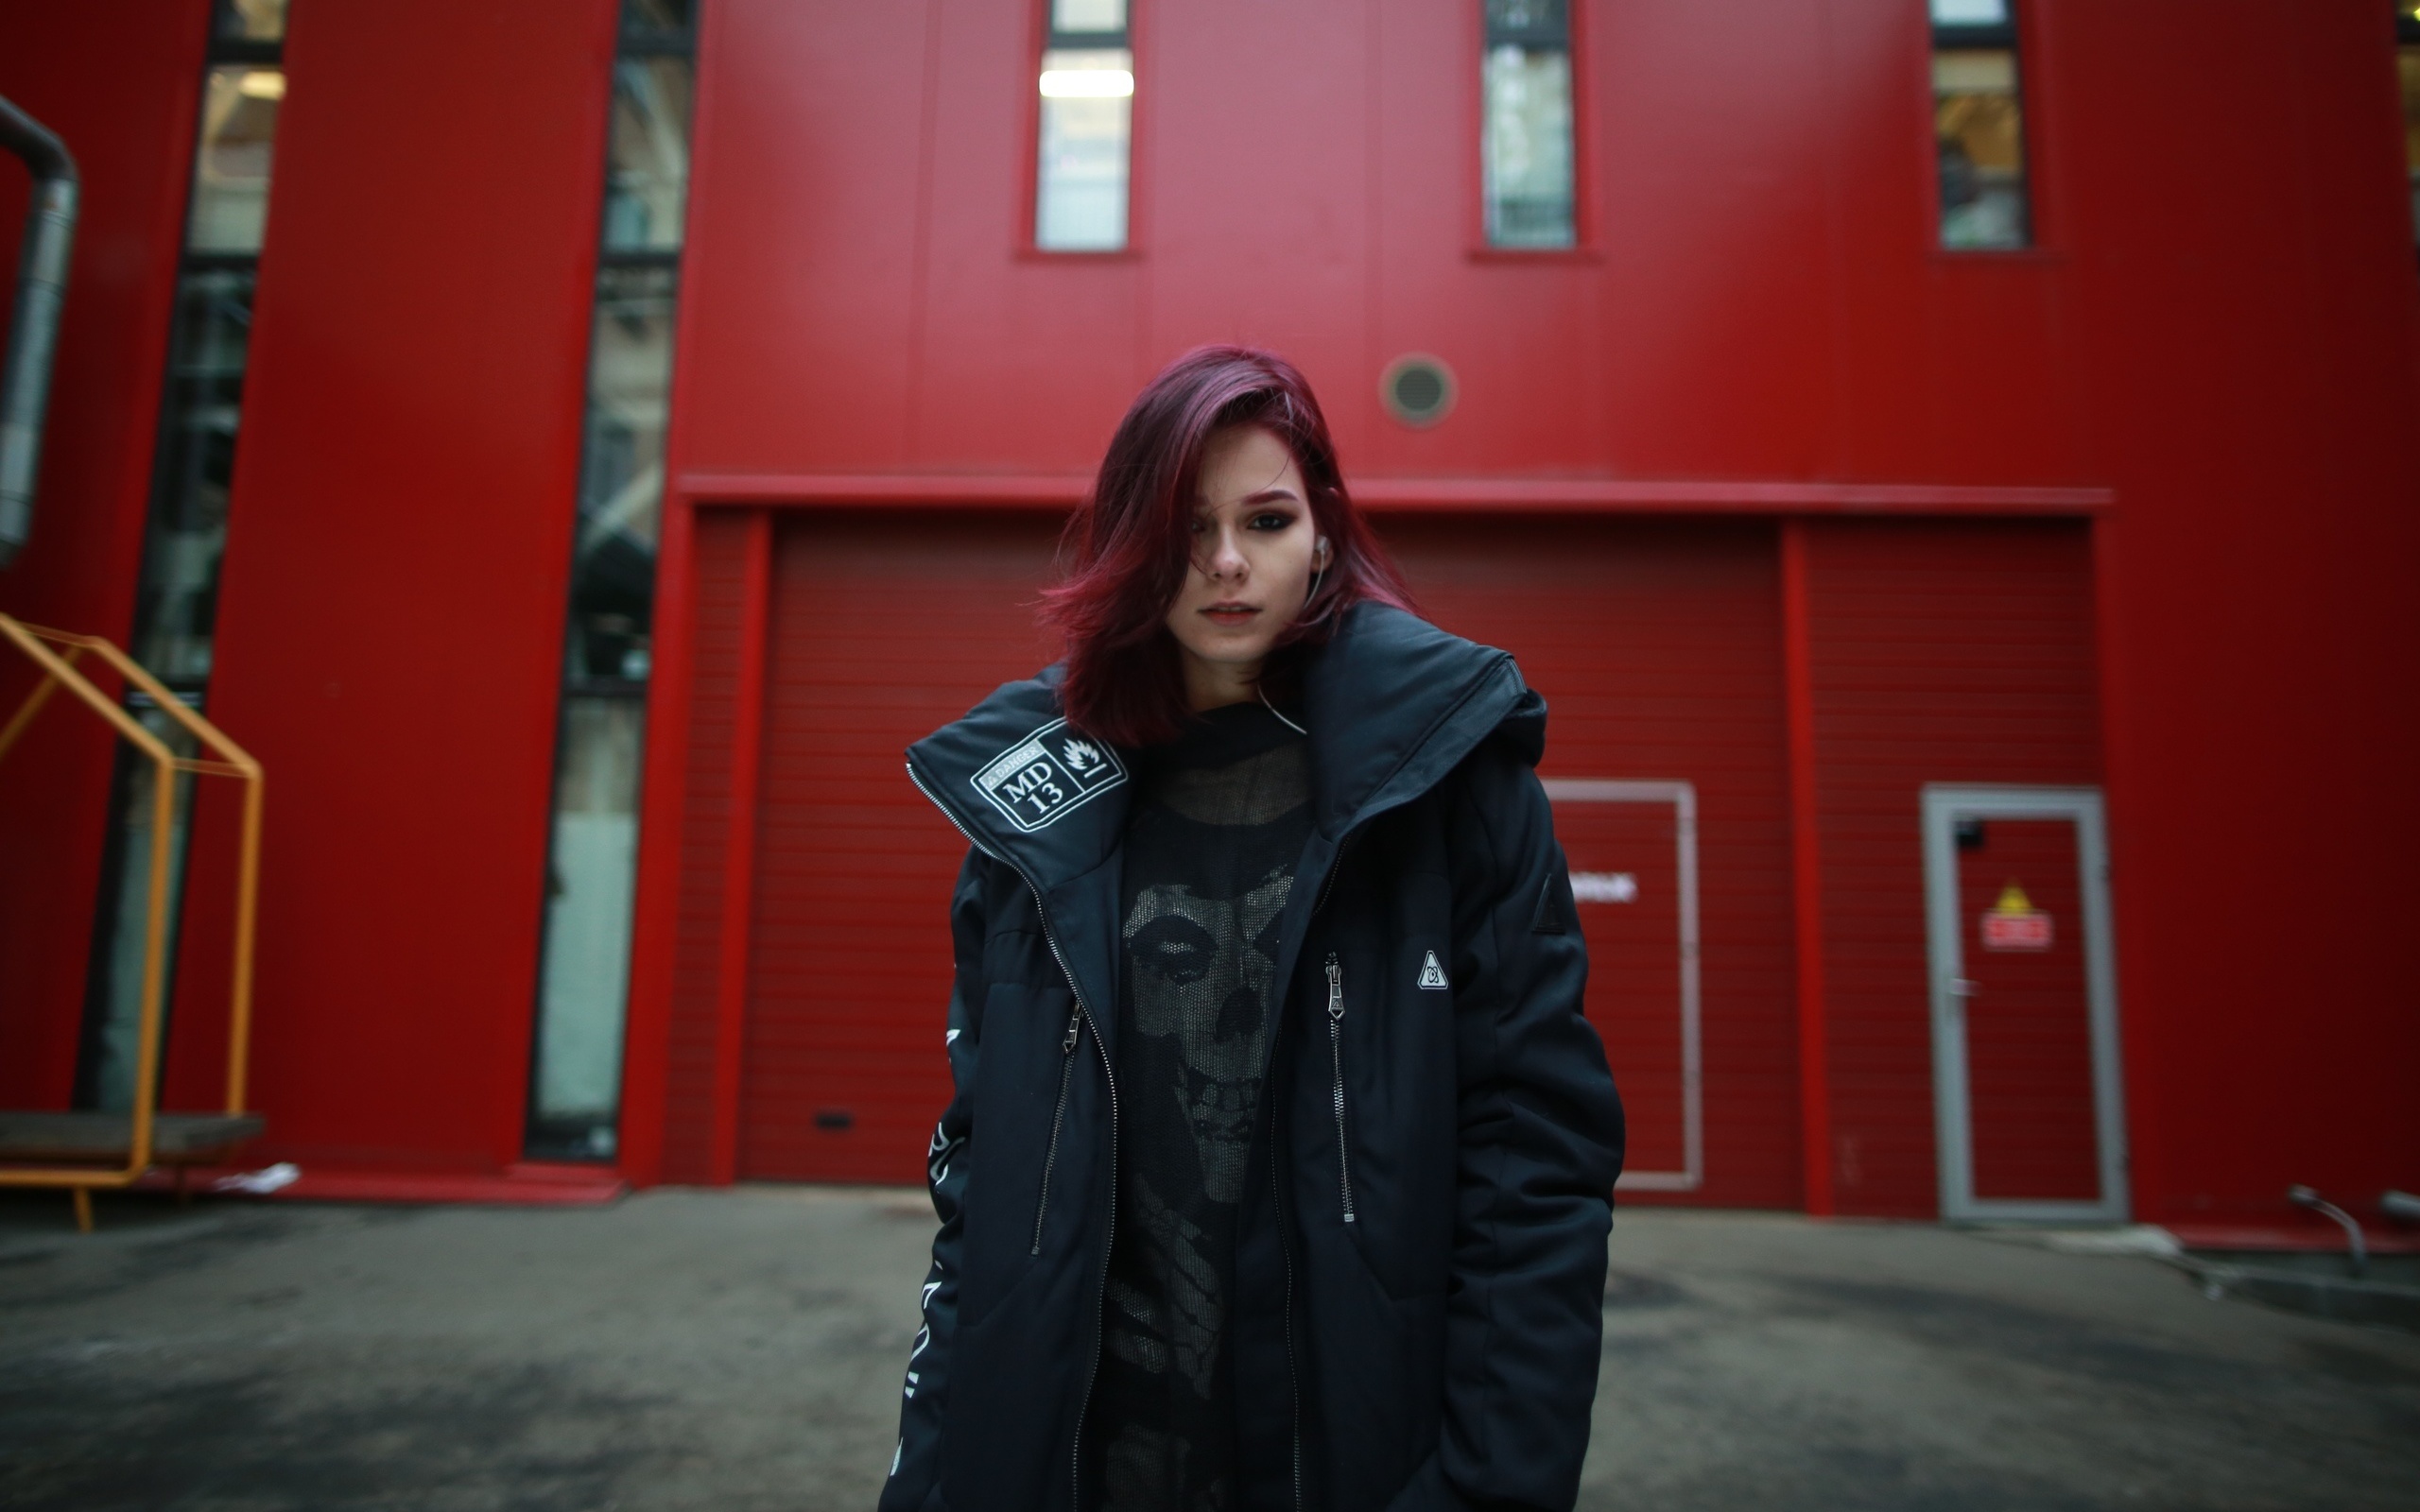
[
  {"x": 1658, "y": 648},
  {"x": 2223, "y": 331},
  {"x": 882, "y": 628},
  {"x": 1941, "y": 653},
  {"x": 123, "y": 98},
  {"x": 1704, "y": 331},
  {"x": 2257, "y": 390},
  {"x": 390, "y": 617},
  {"x": 710, "y": 726}
]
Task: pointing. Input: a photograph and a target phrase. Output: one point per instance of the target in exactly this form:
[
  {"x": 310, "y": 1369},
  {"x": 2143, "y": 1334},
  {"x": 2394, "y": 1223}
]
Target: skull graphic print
[
  {"x": 1212, "y": 842},
  {"x": 1203, "y": 971}
]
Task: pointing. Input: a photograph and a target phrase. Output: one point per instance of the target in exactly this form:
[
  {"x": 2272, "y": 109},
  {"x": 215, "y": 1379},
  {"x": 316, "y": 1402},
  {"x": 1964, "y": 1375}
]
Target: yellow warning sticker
[{"x": 2015, "y": 924}]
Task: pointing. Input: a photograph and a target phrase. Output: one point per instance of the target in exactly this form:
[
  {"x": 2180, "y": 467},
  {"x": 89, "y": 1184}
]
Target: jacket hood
[{"x": 1392, "y": 704}]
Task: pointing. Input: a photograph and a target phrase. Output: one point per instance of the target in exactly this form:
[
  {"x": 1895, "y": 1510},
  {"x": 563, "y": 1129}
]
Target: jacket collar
[{"x": 1392, "y": 704}]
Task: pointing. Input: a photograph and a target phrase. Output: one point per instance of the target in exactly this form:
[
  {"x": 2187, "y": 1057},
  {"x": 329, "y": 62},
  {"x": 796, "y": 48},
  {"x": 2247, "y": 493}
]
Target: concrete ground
[{"x": 742, "y": 1350}]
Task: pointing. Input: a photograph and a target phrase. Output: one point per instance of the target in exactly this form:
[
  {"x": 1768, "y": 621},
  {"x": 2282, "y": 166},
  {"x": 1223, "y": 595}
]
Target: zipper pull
[
  {"x": 1335, "y": 987},
  {"x": 1075, "y": 1025}
]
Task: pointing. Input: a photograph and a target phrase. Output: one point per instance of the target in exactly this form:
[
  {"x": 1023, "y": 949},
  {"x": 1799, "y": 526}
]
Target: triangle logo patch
[{"x": 1432, "y": 976}]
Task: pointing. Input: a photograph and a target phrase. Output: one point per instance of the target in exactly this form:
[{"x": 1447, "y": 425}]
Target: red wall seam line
[
  {"x": 655, "y": 907},
  {"x": 1587, "y": 495},
  {"x": 739, "y": 846},
  {"x": 1807, "y": 875},
  {"x": 664, "y": 775},
  {"x": 2148, "y": 1186}
]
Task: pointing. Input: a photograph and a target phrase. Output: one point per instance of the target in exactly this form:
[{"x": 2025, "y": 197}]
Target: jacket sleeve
[
  {"x": 915, "y": 1464},
  {"x": 1540, "y": 1142}
]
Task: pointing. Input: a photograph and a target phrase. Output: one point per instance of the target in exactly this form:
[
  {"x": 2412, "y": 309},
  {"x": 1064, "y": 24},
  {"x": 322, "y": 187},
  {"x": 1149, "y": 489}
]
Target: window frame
[
  {"x": 2020, "y": 35},
  {"x": 542, "y": 1138},
  {"x": 1042, "y": 38},
  {"x": 1585, "y": 247},
  {"x": 2406, "y": 37}
]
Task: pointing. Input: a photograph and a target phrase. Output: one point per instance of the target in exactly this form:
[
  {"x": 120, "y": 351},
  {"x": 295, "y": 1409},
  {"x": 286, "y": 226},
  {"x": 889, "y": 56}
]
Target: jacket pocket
[
  {"x": 1058, "y": 1121},
  {"x": 1023, "y": 1109}
]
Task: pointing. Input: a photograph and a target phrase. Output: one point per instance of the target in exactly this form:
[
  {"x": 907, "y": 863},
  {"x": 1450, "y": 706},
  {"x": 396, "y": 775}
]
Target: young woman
[{"x": 1281, "y": 1157}]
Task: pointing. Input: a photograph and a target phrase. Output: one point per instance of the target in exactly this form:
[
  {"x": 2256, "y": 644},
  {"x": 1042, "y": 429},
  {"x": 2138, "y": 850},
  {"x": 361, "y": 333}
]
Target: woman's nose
[{"x": 1226, "y": 557}]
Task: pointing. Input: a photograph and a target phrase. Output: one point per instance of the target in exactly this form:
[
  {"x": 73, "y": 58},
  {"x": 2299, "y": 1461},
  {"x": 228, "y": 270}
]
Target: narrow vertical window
[
  {"x": 184, "y": 535},
  {"x": 583, "y": 983},
  {"x": 1525, "y": 124},
  {"x": 2407, "y": 62},
  {"x": 1086, "y": 140},
  {"x": 1979, "y": 126}
]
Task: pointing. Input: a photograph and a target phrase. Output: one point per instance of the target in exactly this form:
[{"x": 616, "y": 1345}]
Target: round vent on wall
[{"x": 1417, "y": 390}]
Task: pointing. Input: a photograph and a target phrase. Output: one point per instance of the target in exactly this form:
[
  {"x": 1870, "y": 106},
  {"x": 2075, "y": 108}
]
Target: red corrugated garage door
[
  {"x": 1943, "y": 652},
  {"x": 881, "y": 629},
  {"x": 1658, "y": 648},
  {"x": 1656, "y": 643}
]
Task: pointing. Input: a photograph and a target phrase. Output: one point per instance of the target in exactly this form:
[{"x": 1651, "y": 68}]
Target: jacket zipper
[
  {"x": 1100, "y": 1287},
  {"x": 1058, "y": 1116},
  {"x": 1277, "y": 1187},
  {"x": 1336, "y": 1053}
]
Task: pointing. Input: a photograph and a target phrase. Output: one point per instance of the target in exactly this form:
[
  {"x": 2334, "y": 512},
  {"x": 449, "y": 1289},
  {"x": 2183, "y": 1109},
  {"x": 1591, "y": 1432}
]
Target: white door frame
[
  {"x": 1945, "y": 804},
  {"x": 1684, "y": 798}
]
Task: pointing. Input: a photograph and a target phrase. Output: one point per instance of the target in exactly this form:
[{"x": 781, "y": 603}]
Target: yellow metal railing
[{"x": 59, "y": 668}]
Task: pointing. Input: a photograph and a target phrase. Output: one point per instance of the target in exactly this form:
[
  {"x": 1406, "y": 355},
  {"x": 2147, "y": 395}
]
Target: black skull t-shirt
[{"x": 1219, "y": 822}]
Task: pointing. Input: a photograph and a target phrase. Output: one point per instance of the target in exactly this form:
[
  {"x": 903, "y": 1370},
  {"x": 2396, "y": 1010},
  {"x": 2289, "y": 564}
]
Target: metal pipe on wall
[{"x": 33, "y": 325}]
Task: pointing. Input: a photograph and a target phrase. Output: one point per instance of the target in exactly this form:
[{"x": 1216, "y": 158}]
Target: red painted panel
[
  {"x": 2258, "y": 591},
  {"x": 1941, "y": 653},
  {"x": 880, "y": 211},
  {"x": 2222, "y": 331},
  {"x": 1635, "y": 958},
  {"x": 721, "y": 545},
  {"x": 123, "y": 98},
  {"x": 1658, "y": 648},
  {"x": 391, "y": 620},
  {"x": 2028, "y": 1027},
  {"x": 882, "y": 628}
]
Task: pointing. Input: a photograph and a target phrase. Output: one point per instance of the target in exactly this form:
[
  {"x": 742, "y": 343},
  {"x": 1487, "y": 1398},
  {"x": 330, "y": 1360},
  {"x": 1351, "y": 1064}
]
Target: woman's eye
[{"x": 1272, "y": 521}]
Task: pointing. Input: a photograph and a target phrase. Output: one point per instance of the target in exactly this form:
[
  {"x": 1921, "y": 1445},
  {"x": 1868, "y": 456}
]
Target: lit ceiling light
[
  {"x": 1087, "y": 83},
  {"x": 264, "y": 84}
]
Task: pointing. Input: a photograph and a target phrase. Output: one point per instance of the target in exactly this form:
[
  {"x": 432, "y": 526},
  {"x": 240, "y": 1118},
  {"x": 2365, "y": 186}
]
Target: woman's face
[{"x": 1255, "y": 551}]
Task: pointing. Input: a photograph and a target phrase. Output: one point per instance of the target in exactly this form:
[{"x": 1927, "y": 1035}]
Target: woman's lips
[{"x": 1230, "y": 613}]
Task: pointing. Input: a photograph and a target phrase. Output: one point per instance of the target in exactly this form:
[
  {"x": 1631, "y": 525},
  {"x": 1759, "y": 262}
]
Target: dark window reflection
[
  {"x": 231, "y": 167},
  {"x": 2408, "y": 63},
  {"x": 1526, "y": 125},
  {"x": 642, "y": 16},
  {"x": 647, "y": 173},
  {"x": 176, "y": 613},
  {"x": 177, "y": 600},
  {"x": 112, "y": 1022},
  {"x": 1085, "y": 140},
  {"x": 252, "y": 20},
  {"x": 583, "y": 976},
  {"x": 622, "y": 473},
  {"x": 1979, "y": 126}
]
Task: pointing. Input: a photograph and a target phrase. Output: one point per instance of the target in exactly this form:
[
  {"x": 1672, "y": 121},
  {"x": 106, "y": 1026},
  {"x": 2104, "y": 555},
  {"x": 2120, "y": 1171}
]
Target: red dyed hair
[{"x": 1124, "y": 555}]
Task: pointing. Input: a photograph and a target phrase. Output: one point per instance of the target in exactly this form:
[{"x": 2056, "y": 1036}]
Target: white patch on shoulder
[
  {"x": 1047, "y": 775},
  {"x": 1432, "y": 976}
]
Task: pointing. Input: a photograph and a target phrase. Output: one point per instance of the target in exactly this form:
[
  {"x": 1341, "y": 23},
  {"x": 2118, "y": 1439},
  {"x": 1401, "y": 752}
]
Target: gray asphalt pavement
[{"x": 741, "y": 1350}]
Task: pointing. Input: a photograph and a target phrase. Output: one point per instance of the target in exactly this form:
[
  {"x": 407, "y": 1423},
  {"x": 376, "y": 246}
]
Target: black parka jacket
[{"x": 1437, "y": 1350}]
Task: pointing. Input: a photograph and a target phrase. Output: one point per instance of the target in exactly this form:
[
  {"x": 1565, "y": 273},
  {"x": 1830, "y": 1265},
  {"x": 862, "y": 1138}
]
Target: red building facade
[{"x": 1811, "y": 529}]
